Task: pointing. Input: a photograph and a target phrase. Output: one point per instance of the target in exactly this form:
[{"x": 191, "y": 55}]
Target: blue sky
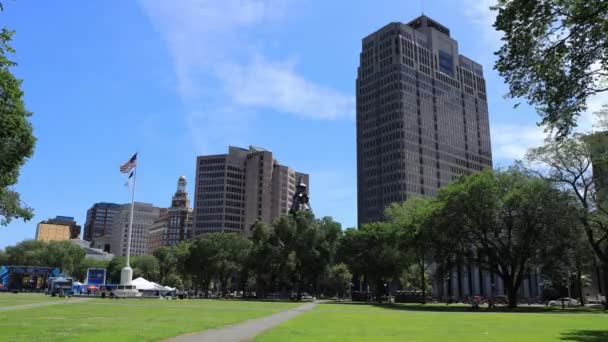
[{"x": 176, "y": 79}]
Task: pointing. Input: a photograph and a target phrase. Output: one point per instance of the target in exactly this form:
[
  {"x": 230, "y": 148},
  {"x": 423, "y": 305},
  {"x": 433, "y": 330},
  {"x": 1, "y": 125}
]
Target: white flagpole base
[{"x": 126, "y": 287}]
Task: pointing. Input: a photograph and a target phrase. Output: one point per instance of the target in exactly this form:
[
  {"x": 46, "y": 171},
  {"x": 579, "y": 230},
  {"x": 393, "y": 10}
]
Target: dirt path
[
  {"x": 244, "y": 331},
  {"x": 34, "y": 305}
]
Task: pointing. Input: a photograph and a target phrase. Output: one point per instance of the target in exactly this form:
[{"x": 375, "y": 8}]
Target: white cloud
[
  {"x": 511, "y": 142},
  {"x": 279, "y": 87},
  {"x": 219, "y": 69},
  {"x": 480, "y": 14}
]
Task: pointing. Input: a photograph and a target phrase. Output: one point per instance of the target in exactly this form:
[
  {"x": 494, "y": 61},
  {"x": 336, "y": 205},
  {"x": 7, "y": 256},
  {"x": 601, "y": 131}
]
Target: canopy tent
[
  {"x": 162, "y": 288},
  {"x": 143, "y": 285}
]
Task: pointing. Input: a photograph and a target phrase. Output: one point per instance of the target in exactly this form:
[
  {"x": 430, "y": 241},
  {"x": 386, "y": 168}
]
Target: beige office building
[
  {"x": 58, "y": 229},
  {"x": 234, "y": 190}
]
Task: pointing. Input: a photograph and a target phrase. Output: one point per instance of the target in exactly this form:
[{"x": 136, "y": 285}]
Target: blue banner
[{"x": 96, "y": 276}]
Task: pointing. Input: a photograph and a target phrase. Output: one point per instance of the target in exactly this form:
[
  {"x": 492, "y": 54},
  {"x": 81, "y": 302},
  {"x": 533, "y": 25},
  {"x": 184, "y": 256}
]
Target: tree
[
  {"x": 340, "y": 279},
  {"x": 315, "y": 247},
  {"x": 411, "y": 280},
  {"x": 200, "y": 262},
  {"x": 568, "y": 164},
  {"x": 173, "y": 280},
  {"x": 504, "y": 218},
  {"x": 115, "y": 267},
  {"x": 146, "y": 266},
  {"x": 373, "y": 251},
  {"x": 218, "y": 256},
  {"x": 167, "y": 262},
  {"x": 555, "y": 54},
  {"x": 27, "y": 253},
  {"x": 264, "y": 259},
  {"x": 62, "y": 254},
  {"x": 568, "y": 260},
  {"x": 413, "y": 221},
  {"x": 65, "y": 255},
  {"x": 16, "y": 138},
  {"x": 231, "y": 255}
]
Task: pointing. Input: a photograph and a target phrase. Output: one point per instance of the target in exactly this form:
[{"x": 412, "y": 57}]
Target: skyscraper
[
  {"x": 234, "y": 190},
  {"x": 422, "y": 115}
]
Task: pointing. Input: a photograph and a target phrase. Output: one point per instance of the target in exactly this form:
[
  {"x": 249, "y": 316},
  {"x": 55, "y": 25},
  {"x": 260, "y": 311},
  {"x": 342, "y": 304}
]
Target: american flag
[{"x": 128, "y": 166}]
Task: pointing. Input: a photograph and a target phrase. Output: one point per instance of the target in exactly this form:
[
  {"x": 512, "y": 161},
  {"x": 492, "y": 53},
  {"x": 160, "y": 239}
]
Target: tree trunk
[
  {"x": 579, "y": 280},
  {"x": 512, "y": 289},
  {"x": 379, "y": 290},
  {"x": 459, "y": 280},
  {"x": 605, "y": 270},
  {"x": 423, "y": 284}
]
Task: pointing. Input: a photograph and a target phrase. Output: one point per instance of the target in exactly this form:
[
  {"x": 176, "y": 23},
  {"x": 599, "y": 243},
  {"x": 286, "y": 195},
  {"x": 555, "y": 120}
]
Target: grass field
[
  {"x": 349, "y": 322},
  {"x": 10, "y": 299},
  {"x": 153, "y": 320},
  {"x": 127, "y": 320}
]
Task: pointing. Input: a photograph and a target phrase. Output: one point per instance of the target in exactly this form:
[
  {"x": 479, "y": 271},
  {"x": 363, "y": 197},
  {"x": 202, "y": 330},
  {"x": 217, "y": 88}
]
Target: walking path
[
  {"x": 244, "y": 331},
  {"x": 33, "y": 305}
]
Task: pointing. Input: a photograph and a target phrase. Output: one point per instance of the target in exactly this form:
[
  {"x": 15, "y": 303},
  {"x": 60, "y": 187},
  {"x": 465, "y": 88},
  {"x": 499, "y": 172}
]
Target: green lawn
[
  {"x": 351, "y": 322},
  {"x": 127, "y": 320},
  {"x": 10, "y": 299}
]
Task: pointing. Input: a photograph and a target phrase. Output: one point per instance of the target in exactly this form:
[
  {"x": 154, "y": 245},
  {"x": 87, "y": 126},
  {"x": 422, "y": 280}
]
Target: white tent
[{"x": 142, "y": 284}]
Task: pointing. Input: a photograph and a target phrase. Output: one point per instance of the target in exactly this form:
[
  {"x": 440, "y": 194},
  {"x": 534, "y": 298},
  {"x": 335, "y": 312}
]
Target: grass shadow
[
  {"x": 467, "y": 308},
  {"x": 585, "y": 335}
]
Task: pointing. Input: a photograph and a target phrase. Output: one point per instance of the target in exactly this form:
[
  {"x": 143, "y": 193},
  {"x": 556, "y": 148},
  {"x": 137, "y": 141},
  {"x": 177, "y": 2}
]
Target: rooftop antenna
[{"x": 422, "y": 7}]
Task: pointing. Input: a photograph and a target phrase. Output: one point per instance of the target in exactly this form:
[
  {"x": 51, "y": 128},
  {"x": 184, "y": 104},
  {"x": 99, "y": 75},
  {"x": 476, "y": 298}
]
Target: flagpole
[{"x": 131, "y": 217}]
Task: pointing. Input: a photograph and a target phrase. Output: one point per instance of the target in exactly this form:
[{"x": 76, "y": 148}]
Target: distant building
[
  {"x": 158, "y": 232},
  {"x": 92, "y": 253},
  {"x": 175, "y": 223},
  {"x": 58, "y": 229},
  {"x": 234, "y": 190},
  {"x": 99, "y": 221},
  {"x": 144, "y": 215}
]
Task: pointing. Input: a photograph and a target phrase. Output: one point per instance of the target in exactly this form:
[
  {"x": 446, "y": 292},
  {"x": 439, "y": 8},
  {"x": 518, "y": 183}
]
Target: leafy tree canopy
[
  {"x": 16, "y": 139},
  {"x": 554, "y": 54}
]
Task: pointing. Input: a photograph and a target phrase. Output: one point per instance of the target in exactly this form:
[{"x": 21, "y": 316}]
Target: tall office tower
[
  {"x": 144, "y": 215},
  {"x": 58, "y": 229},
  {"x": 99, "y": 220},
  {"x": 234, "y": 190},
  {"x": 422, "y": 115},
  {"x": 175, "y": 223}
]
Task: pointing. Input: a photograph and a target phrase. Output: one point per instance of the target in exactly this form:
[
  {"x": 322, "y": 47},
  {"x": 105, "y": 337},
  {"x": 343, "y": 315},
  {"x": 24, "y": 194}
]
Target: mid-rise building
[
  {"x": 235, "y": 190},
  {"x": 422, "y": 115},
  {"x": 175, "y": 223},
  {"x": 99, "y": 220},
  {"x": 144, "y": 215},
  {"x": 58, "y": 229}
]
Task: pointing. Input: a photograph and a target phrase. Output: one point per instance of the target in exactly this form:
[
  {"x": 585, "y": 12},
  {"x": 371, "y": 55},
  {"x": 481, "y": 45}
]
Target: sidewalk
[{"x": 244, "y": 331}]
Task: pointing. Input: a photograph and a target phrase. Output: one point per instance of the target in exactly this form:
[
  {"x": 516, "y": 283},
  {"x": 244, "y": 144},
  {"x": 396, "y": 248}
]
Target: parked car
[
  {"x": 503, "y": 300},
  {"x": 567, "y": 301}
]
